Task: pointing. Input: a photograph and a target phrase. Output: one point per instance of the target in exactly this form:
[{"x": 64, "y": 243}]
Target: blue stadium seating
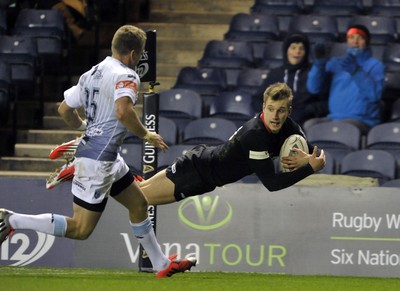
[
  {"x": 166, "y": 128},
  {"x": 318, "y": 28},
  {"x": 395, "y": 111},
  {"x": 336, "y": 137},
  {"x": 338, "y": 8},
  {"x": 252, "y": 80},
  {"x": 391, "y": 57},
  {"x": 378, "y": 164},
  {"x": 236, "y": 106},
  {"x": 253, "y": 27},
  {"x": 272, "y": 55},
  {"x": 387, "y": 8},
  {"x": 278, "y": 7},
  {"x": 180, "y": 105},
  {"x": 168, "y": 157},
  {"x": 46, "y": 26},
  {"x": 385, "y": 136},
  {"x": 208, "y": 130},
  {"x": 208, "y": 82}
]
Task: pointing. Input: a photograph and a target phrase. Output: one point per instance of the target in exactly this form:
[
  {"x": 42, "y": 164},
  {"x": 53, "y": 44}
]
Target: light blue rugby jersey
[{"x": 97, "y": 91}]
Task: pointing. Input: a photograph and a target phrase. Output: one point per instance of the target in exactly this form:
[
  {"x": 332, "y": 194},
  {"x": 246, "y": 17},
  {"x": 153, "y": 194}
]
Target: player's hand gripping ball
[{"x": 293, "y": 141}]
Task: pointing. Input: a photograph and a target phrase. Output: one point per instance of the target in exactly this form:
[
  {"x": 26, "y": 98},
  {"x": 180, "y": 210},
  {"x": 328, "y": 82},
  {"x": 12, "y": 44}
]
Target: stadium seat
[
  {"x": 253, "y": 28},
  {"x": 166, "y": 128},
  {"x": 231, "y": 56},
  {"x": 208, "y": 130},
  {"x": 227, "y": 54},
  {"x": 388, "y": 8},
  {"x": 381, "y": 28},
  {"x": 390, "y": 93},
  {"x": 330, "y": 164},
  {"x": 378, "y": 164},
  {"x": 20, "y": 52},
  {"x": 233, "y": 105},
  {"x": 132, "y": 154},
  {"x": 272, "y": 55},
  {"x": 336, "y": 137},
  {"x": 278, "y": 7},
  {"x": 337, "y": 8},
  {"x": 385, "y": 136},
  {"x": 395, "y": 111},
  {"x": 342, "y": 25},
  {"x": 180, "y": 105},
  {"x": 46, "y": 26},
  {"x": 168, "y": 157},
  {"x": 391, "y": 57},
  {"x": 318, "y": 28},
  {"x": 208, "y": 82},
  {"x": 252, "y": 80}
]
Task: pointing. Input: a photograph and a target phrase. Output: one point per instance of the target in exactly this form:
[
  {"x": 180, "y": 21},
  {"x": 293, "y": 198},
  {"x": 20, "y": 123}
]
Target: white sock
[
  {"x": 53, "y": 224},
  {"x": 144, "y": 232}
]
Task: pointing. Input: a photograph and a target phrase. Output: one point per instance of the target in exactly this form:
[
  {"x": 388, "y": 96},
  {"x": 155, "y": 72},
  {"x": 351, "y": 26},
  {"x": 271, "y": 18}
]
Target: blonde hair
[
  {"x": 128, "y": 38},
  {"x": 279, "y": 91}
]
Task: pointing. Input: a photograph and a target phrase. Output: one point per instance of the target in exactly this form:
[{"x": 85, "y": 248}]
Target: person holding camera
[{"x": 354, "y": 80}]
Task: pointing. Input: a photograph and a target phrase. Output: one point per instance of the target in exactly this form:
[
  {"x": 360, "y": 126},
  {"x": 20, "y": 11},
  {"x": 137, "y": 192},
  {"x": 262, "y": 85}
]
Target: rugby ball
[{"x": 293, "y": 141}]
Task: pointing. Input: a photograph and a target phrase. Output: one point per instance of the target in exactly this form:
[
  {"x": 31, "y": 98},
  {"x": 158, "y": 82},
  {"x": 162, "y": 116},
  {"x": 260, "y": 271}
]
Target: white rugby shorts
[{"x": 93, "y": 179}]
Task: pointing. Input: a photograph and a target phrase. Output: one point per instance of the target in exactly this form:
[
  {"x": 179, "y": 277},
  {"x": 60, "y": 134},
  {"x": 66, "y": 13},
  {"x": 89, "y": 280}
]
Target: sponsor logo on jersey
[
  {"x": 79, "y": 185},
  {"x": 126, "y": 85},
  {"x": 255, "y": 155}
]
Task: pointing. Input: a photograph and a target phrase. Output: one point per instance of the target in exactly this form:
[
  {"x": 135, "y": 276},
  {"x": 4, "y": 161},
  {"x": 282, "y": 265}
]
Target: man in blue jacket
[{"x": 355, "y": 81}]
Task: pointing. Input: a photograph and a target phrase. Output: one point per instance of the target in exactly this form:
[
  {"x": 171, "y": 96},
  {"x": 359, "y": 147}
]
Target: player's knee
[{"x": 141, "y": 206}]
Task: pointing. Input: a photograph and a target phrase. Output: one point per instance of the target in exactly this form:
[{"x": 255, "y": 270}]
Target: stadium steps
[{"x": 183, "y": 29}]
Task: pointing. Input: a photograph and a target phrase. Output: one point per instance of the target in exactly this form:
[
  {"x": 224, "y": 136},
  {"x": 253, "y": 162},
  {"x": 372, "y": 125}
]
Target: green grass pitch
[{"x": 35, "y": 278}]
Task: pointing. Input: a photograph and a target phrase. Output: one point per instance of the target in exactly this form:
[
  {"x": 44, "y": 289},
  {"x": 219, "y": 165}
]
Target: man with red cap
[{"x": 355, "y": 81}]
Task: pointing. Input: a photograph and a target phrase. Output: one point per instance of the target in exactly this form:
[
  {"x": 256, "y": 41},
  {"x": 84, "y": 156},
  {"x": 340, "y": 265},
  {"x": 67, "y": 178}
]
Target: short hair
[
  {"x": 279, "y": 91},
  {"x": 128, "y": 38}
]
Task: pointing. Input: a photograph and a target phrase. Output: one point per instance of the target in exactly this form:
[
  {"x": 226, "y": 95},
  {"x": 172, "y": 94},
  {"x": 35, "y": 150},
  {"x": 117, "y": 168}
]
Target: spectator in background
[
  {"x": 78, "y": 14},
  {"x": 355, "y": 81},
  {"x": 294, "y": 73}
]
